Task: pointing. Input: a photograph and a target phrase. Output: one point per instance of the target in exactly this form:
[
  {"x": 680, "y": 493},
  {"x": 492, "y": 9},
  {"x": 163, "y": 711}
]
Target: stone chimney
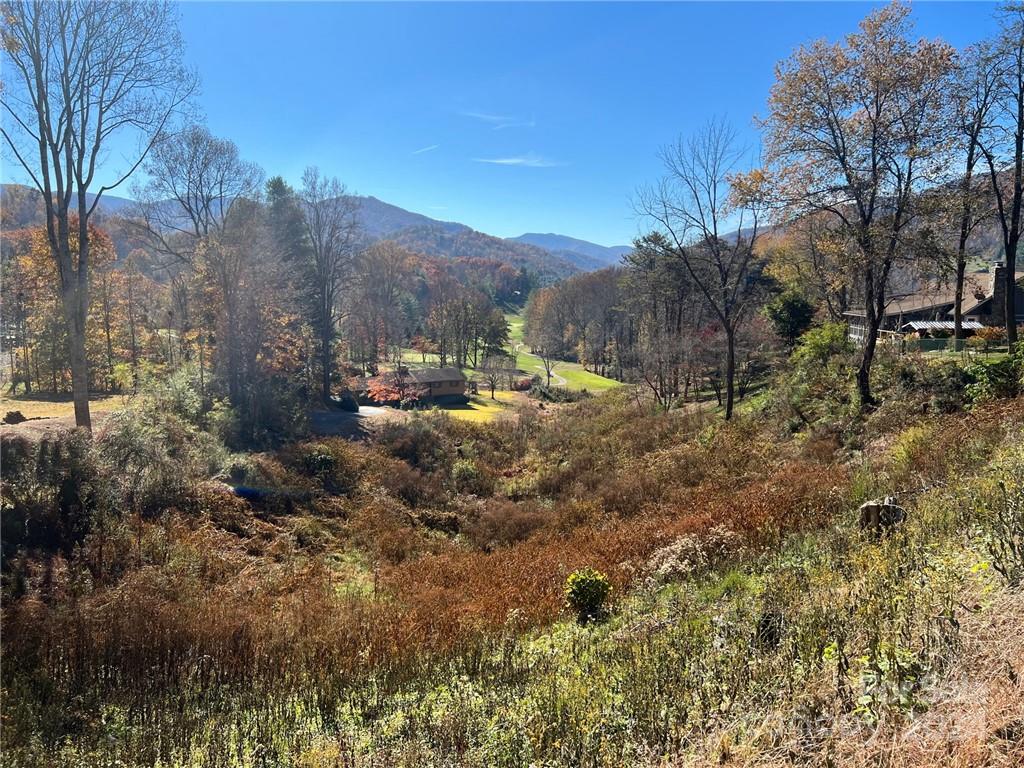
[{"x": 997, "y": 290}]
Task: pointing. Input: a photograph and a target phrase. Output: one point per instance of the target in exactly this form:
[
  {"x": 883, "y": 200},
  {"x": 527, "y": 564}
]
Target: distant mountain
[
  {"x": 379, "y": 220},
  {"x": 111, "y": 204},
  {"x": 23, "y": 205},
  {"x": 461, "y": 242},
  {"x": 601, "y": 255}
]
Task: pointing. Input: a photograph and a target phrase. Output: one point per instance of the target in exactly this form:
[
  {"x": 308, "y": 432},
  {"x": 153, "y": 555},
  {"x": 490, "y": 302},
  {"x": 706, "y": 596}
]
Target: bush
[
  {"x": 503, "y": 523},
  {"x": 691, "y": 553},
  {"x": 585, "y": 592},
  {"x": 790, "y": 314},
  {"x": 987, "y": 337},
  {"x": 994, "y": 379},
  {"x": 178, "y": 394},
  {"x": 556, "y": 394},
  {"x": 1001, "y": 514},
  {"x": 418, "y": 442},
  {"x": 468, "y": 477},
  {"x": 819, "y": 345},
  {"x": 414, "y": 487},
  {"x": 318, "y": 461}
]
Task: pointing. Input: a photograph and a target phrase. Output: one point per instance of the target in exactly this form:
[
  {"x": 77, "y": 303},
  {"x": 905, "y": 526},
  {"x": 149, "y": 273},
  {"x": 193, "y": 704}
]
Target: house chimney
[{"x": 997, "y": 291}]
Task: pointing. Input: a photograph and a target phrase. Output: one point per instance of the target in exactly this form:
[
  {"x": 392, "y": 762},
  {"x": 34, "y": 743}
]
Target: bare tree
[
  {"x": 1002, "y": 144},
  {"x": 494, "y": 370},
  {"x": 193, "y": 180},
  {"x": 80, "y": 74},
  {"x": 858, "y": 129},
  {"x": 976, "y": 86},
  {"x": 549, "y": 362},
  {"x": 331, "y": 226},
  {"x": 709, "y": 217},
  {"x": 196, "y": 184}
]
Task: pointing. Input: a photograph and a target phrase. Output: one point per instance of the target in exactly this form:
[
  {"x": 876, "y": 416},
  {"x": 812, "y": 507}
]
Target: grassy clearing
[
  {"x": 564, "y": 374},
  {"x": 481, "y": 408},
  {"x": 45, "y": 406}
]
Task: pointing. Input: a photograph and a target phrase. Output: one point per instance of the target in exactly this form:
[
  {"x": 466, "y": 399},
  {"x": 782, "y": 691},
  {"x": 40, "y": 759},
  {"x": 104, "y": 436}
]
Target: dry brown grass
[
  {"x": 221, "y": 594},
  {"x": 450, "y": 597},
  {"x": 975, "y": 717}
]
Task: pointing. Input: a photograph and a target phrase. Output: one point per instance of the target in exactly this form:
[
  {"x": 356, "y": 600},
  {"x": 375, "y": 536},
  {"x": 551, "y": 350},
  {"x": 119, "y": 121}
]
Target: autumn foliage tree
[
  {"x": 40, "y": 353},
  {"x": 78, "y": 76},
  {"x": 709, "y": 215},
  {"x": 331, "y": 227},
  {"x": 856, "y": 129}
]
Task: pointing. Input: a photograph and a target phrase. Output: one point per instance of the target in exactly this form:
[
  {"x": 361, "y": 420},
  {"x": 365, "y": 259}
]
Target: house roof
[
  {"x": 977, "y": 302},
  {"x": 423, "y": 376},
  {"x": 976, "y": 293},
  {"x": 435, "y": 375},
  {"x": 940, "y": 325}
]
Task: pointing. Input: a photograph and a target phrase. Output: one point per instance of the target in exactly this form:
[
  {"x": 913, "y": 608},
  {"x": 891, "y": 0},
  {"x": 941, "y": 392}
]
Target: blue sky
[{"x": 506, "y": 117}]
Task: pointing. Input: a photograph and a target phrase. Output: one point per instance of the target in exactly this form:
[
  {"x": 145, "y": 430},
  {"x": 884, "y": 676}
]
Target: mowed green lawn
[
  {"x": 481, "y": 408},
  {"x": 42, "y": 406},
  {"x": 563, "y": 374}
]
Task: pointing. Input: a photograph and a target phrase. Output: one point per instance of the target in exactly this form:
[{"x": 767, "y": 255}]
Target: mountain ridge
[
  {"x": 379, "y": 220},
  {"x": 556, "y": 243}
]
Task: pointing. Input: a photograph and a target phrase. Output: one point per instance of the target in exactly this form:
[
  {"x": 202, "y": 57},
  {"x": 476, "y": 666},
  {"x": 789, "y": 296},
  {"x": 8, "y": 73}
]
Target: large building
[{"x": 983, "y": 299}]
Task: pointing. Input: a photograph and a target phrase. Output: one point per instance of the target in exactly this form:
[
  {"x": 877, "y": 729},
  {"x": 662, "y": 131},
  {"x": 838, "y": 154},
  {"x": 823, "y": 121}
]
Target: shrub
[
  {"x": 585, "y": 592},
  {"x": 14, "y": 417},
  {"x": 468, "y": 477},
  {"x": 1001, "y": 513},
  {"x": 502, "y": 523},
  {"x": 556, "y": 394},
  {"x": 409, "y": 484},
  {"x": 993, "y": 379},
  {"x": 418, "y": 442},
  {"x": 988, "y": 337},
  {"x": 819, "y": 345},
  {"x": 178, "y": 393},
  {"x": 318, "y": 461},
  {"x": 790, "y": 314},
  {"x": 691, "y": 553}
]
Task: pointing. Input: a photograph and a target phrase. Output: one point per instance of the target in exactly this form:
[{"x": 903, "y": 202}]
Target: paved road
[
  {"x": 336, "y": 422},
  {"x": 557, "y": 380}
]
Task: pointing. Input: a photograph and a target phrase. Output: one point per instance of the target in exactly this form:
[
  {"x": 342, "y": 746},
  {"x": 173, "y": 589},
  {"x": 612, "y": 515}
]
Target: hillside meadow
[{"x": 399, "y": 601}]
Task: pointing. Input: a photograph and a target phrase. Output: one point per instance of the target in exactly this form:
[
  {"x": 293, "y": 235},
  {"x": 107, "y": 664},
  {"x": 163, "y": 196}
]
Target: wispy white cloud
[
  {"x": 431, "y": 148},
  {"x": 487, "y": 117},
  {"x": 500, "y": 122},
  {"x": 528, "y": 160},
  {"x": 531, "y": 123}
]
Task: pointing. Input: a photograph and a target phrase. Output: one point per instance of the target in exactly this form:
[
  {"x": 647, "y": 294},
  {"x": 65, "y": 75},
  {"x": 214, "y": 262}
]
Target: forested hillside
[{"x": 376, "y": 220}]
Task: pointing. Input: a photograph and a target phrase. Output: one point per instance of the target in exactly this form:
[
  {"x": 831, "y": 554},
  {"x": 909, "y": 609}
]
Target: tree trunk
[
  {"x": 110, "y": 343},
  {"x": 1010, "y": 300},
  {"x": 1010, "y": 305},
  {"x": 958, "y": 296},
  {"x": 872, "y": 323},
  {"x": 325, "y": 364},
  {"x": 74, "y": 314},
  {"x": 131, "y": 329},
  {"x": 961, "y": 252},
  {"x": 730, "y": 370}
]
